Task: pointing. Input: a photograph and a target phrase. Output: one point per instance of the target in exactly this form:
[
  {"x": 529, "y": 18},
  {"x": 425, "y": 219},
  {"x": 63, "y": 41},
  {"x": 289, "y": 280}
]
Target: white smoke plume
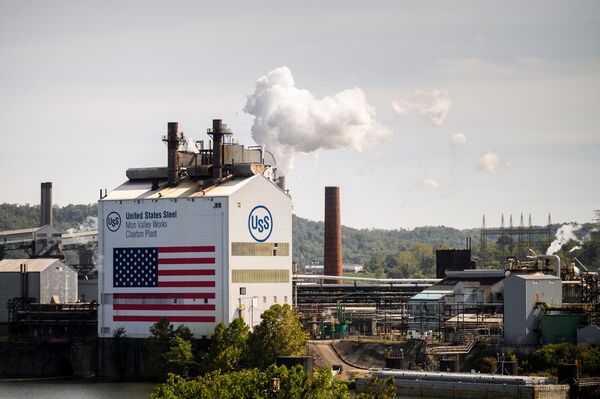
[
  {"x": 90, "y": 223},
  {"x": 430, "y": 183},
  {"x": 433, "y": 104},
  {"x": 489, "y": 161},
  {"x": 189, "y": 146},
  {"x": 564, "y": 234},
  {"x": 289, "y": 120},
  {"x": 458, "y": 138}
]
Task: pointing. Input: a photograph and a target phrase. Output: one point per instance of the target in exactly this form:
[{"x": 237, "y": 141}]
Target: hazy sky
[{"x": 474, "y": 107}]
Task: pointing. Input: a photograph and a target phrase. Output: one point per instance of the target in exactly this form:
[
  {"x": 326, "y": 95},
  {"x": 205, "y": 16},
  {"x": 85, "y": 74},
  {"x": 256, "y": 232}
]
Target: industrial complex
[{"x": 208, "y": 238}]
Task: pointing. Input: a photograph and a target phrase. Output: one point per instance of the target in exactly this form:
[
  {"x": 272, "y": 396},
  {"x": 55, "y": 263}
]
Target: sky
[{"x": 424, "y": 113}]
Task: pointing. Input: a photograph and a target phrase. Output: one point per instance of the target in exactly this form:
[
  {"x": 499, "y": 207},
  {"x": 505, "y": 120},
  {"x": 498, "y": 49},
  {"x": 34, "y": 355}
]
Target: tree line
[
  {"x": 238, "y": 363},
  {"x": 386, "y": 253}
]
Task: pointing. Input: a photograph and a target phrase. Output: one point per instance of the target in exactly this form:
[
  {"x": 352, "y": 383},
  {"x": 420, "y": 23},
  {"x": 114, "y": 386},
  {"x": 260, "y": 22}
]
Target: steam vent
[{"x": 333, "y": 235}]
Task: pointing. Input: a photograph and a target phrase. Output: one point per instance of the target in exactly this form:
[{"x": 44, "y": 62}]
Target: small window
[
  {"x": 264, "y": 299},
  {"x": 274, "y": 299},
  {"x": 285, "y": 299},
  {"x": 242, "y": 290},
  {"x": 205, "y": 300},
  {"x": 105, "y": 330},
  {"x": 274, "y": 252}
]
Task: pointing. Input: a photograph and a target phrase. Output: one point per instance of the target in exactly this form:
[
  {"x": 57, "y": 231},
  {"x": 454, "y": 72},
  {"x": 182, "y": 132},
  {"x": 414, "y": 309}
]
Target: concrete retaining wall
[{"x": 441, "y": 389}]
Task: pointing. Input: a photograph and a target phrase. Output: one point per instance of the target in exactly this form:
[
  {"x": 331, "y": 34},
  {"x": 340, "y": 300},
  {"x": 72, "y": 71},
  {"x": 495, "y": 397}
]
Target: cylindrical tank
[{"x": 333, "y": 235}]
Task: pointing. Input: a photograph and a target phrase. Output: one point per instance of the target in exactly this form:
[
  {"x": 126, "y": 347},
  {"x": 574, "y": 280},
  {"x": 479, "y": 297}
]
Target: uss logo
[
  {"x": 260, "y": 223},
  {"x": 113, "y": 221}
]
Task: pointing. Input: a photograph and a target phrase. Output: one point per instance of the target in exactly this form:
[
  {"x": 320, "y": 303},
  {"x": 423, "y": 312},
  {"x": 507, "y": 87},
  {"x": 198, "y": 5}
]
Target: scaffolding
[{"x": 515, "y": 240}]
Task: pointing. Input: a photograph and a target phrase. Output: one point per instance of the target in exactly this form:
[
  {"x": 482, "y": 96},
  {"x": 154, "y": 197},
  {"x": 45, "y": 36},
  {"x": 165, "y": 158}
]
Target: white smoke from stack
[
  {"x": 289, "y": 120},
  {"x": 458, "y": 138},
  {"x": 575, "y": 248},
  {"x": 489, "y": 161},
  {"x": 564, "y": 234},
  {"x": 189, "y": 146},
  {"x": 433, "y": 104},
  {"x": 90, "y": 223}
]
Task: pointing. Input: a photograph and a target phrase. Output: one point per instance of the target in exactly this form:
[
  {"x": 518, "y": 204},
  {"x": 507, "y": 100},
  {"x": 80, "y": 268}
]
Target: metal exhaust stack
[
  {"x": 281, "y": 182},
  {"x": 217, "y": 135},
  {"x": 46, "y": 204},
  {"x": 172, "y": 154},
  {"x": 333, "y": 235}
]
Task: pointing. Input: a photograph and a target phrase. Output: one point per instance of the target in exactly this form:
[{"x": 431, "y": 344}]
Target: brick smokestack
[{"x": 333, "y": 235}]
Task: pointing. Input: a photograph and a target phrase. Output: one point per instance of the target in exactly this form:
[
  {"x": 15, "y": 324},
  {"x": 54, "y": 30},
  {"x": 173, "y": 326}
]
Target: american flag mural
[{"x": 176, "y": 282}]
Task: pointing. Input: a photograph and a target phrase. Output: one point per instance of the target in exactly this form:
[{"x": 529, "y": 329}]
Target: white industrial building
[
  {"x": 524, "y": 294},
  {"x": 198, "y": 250}
]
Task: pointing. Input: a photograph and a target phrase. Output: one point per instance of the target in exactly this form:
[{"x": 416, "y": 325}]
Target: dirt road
[{"x": 326, "y": 356}]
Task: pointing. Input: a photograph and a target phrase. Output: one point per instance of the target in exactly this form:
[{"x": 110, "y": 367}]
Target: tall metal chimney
[
  {"x": 281, "y": 182},
  {"x": 172, "y": 153},
  {"x": 217, "y": 135},
  {"x": 46, "y": 204},
  {"x": 333, "y": 235}
]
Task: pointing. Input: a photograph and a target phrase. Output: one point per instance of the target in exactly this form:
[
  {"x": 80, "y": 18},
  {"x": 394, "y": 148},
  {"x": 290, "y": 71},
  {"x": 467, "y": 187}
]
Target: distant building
[
  {"x": 452, "y": 260},
  {"x": 460, "y": 292},
  {"x": 318, "y": 270},
  {"x": 44, "y": 280}
]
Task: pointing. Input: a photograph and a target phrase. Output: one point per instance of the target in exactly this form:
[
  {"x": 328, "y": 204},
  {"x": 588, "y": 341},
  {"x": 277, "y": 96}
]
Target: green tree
[
  {"x": 254, "y": 384},
  {"x": 169, "y": 349},
  {"x": 278, "y": 334},
  {"x": 379, "y": 388},
  {"x": 180, "y": 357},
  {"x": 228, "y": 346}
]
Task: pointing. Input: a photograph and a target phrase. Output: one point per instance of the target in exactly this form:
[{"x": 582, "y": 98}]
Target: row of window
[{"x": 264, "y": 298}]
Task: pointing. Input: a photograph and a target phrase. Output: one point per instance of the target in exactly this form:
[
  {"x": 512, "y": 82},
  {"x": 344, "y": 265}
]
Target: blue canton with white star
[{"x": 135, "y": 267}]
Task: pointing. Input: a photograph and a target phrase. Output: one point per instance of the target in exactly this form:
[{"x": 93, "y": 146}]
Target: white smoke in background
[
  {"x": 289, "y": 120},
  {"x": 90, "y": 223},
  {"x": 458, "y": 138},
  {"x": 189, "y": 146},
  {"x": 430, "y": 183},
  {"x": 433, "y": 104},
  {"x": 564, "y": 234},
  {"x": 575, "y": 248},
  {"x": 489, "y": 161}
]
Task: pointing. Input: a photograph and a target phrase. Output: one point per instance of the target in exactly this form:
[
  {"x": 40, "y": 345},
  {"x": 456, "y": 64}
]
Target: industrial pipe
[
  {"x": 172, "y": 154},
  {"x": 550, "y": 257},
  {"x": 217, "y": 154}
]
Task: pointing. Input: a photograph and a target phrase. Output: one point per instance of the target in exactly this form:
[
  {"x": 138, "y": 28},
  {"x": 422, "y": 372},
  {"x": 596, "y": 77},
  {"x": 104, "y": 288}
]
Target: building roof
[
  {"x": 430, "y": 295},
  {"x": 33, "y": 265},
  {"x": 536, "y": 276},
  {"x": 19, "y": 231},
  {"x": 184, "y": 189}
]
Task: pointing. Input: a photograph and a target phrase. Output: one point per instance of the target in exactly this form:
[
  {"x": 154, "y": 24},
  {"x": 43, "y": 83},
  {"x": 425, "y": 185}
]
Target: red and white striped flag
[{"x": 189, "y": 271}]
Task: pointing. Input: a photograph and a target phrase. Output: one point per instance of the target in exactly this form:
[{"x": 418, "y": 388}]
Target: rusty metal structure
[
  {"x": 333, "y": 234},
  {"x": 46, "y": 204}
]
